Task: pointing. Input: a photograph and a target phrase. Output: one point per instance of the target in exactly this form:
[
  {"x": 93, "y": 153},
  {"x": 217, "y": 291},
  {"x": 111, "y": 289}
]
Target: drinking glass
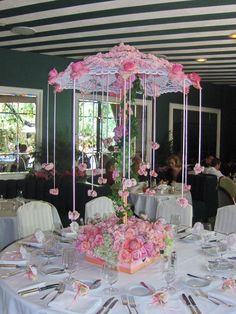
[
  {"x": 110, "y": 276},
  {"x": 169, "y": 277},
  {"x": 50, "y": 246},
  {"x": 175, "y": 222},
  {"x": 69, "y": 261}
]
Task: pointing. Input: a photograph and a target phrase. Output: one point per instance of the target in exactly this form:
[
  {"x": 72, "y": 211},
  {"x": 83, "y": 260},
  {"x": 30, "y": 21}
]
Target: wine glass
[
  {"x": 110, "y": 276},
  {"x": 169, "y": 277},
  {"x": 175, "y": 222},
  {"x": 49, "y": 248},
  {"x": 69, "y": 261}
]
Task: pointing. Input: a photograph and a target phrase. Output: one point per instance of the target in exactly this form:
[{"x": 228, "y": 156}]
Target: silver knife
[
  {"x": 111, "y": 306},
  {"x": 34, "y": 290},
  {"x": 105, "y": 305},
  {"x": 194, "y": 305},
  {"x": 186, "y": 300},
  {"x": 12, "y": 266}
]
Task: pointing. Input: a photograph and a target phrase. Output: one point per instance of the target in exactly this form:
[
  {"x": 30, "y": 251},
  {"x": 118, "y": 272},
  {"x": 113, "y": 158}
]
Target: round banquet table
[
  {"x": 148, "y": 204},
  {"x": 190, "y": 259}
]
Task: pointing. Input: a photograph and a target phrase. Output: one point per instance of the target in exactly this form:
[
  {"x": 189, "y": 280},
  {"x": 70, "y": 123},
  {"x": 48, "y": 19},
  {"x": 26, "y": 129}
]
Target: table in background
[{"x": 148, "y": 204}]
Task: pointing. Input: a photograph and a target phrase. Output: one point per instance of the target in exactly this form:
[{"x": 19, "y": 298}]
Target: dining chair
[
  {"x": 100, "y": 206},
  {"x": 224, "y": 197},
  {"x": 228, "y": 184},
  {"x": 34, "y": 215},
  {"x": 169, "y": 207},
  {"x": 226, "y": 219}
]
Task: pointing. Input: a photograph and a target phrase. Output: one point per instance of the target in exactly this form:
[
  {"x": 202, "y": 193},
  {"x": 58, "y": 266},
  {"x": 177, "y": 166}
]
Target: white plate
[
  {"x": 139, "y": 291},
  {"x": 83, "y": 304},
  {"x": 196, "y": 282}
]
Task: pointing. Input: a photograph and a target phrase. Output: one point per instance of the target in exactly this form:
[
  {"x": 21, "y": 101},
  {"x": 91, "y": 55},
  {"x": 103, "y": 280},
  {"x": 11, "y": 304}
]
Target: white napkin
[
  {"x": 171, "y": 307},
  {"x": 24, "y": 253},
  {"x": 83, "y": 304},
  {"x": 228, "y": 295},
  {"x": 39, "y": 235},
  {"x": 231, "y": 241},
  {"x": 74, "y": 226},
  {"x": 197, "y": 228}
]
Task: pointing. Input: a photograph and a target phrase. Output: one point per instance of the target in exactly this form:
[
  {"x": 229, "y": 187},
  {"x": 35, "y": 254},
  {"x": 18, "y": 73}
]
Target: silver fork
[
  {"x": 125, "y": 302},
  {"x": 60, "y": 289},
  {"x": 132, "y": 303}
]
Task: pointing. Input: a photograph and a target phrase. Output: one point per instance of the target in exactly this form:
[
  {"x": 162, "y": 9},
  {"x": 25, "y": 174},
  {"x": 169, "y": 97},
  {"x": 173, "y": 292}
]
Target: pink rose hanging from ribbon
[
  {"x": 198, "y": 169},
  {"x": 73, "y": 215},
  {"x": 187, "y": 187},
  {"x": 155, "y": 145},
  {"x": 92, "y": 193},
  {"x": 54, "y": 191},
  {"x": 48, "y": 166},
  {"x": 182, "y": 201},
  {"x": 102, "y": 180}
]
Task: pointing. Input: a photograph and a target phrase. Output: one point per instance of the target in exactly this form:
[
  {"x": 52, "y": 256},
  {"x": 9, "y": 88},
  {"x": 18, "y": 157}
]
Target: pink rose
[
  {"x": 198, "y": 169},
  {"x": 130, "y": 234},
  {"x": 58, "y": 88},
  {"x": 135, "y": 244},
  {"x": 92, "y": 193},
  {"x": 84, "y": 246},
  {"x": 52, "y": 75},
  {"x": 115, "y": 174},
  {"x": 82, "y": 167},
  {"x": 195, "y": 78},
  {"x": 155, "y": 146},
  {"x": 187, "y": 188},
  {"x": 182, "y": 201},
  {"x": 78, "y": 69},
  {"x": 124, "y": 256},
  {"x": 98, "y": 241},
  {"x": 117, "y": 245},
  {"x": 73, "y": 215},
  {"x": 136, "y": 255},
  {"x": 129, "y": 66},
  {"x": 149, "y": 248},
  {"x": 54, "y": 191}
]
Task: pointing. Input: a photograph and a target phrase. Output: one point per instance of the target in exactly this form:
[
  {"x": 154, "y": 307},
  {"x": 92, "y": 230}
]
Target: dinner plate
[
  {"x": 196, "y": 282},
  {"x": 139, "y": 291},
  {"x": 83, "y": 304}
]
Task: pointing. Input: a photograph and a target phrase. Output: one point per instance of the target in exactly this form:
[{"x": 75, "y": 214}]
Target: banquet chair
[
  {"x": 35, "y": 215},
  {"x": 228, "y": 184},
  {"x": 170, "y": 207},
  {"x": 224, "y": 198},
  {"x": 99, "y": 206},
  {"x": 226, "y": 219}
]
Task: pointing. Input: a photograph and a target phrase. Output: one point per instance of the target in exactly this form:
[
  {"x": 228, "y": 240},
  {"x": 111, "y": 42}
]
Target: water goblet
[
  {"x": 169, "y": 277},
  {"x": 110, "y": 276},
  {"x": 69, "y": 261},
  {"x": 49, "y": 247},
  {"x": 175, "y": 222}
]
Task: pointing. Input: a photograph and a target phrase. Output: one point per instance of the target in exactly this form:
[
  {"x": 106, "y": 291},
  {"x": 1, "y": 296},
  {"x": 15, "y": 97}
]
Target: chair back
[
  {"x": 34, "y": 215},
  {"x": 99, "y": 206},
  {"x": 228, "y": 184},
  {"x": 226, "y": 219},
  {"x": 224, "y": 198},
  {"x": 170, "y": 207}
]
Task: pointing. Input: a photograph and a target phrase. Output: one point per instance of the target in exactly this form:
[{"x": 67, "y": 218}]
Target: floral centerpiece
[{"x": 132, "y": 246}]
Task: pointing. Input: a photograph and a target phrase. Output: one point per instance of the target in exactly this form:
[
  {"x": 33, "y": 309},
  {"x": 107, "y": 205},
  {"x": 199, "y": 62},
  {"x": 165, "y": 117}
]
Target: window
[
  {"x": 20, "y": 127},
  {"x": 210, "y": 130},
  {"x": 93, "y": 131}
]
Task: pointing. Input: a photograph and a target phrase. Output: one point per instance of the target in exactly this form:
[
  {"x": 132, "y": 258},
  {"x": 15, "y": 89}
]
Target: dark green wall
[{"x": 29, "y": 70}]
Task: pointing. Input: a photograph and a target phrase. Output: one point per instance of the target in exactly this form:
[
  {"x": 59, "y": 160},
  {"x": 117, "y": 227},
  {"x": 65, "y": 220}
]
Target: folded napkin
[
  {"x": 231, "y": 241},
  {"x": 171, "y": 307},
  {"x": 14, "y": 258},
  {"x": 228, "y": 296},
  {"x": 81, "y": 305},
  {"x": 197, "y": 228},
  {"x": 39, "y": 235}
]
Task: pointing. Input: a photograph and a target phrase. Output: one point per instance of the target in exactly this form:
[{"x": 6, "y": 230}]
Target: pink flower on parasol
[
  {"x": 73, "y": 215},
  {"x": 182, "y": 201},
  {"x": 195, "y": 78},
  {"x": 198, "y": 169},
  {"x": 78, "y": 69},
  {"x": 52, "y": 75}
]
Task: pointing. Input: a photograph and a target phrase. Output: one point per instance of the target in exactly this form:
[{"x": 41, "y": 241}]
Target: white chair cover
[
  {"x": 99, "y": 206},
  {"x": 226, "y": 219},
  {"x": 170, "y": 207},
  {"x": 34, "y": 215}
]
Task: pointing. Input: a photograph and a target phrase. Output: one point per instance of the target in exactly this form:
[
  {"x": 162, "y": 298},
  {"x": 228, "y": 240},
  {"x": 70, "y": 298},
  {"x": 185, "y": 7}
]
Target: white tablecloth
[
  {"x": 148, "y": 204},
  {"x": 8, "y": 220},
  {"x": 190, "y": 259}
]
